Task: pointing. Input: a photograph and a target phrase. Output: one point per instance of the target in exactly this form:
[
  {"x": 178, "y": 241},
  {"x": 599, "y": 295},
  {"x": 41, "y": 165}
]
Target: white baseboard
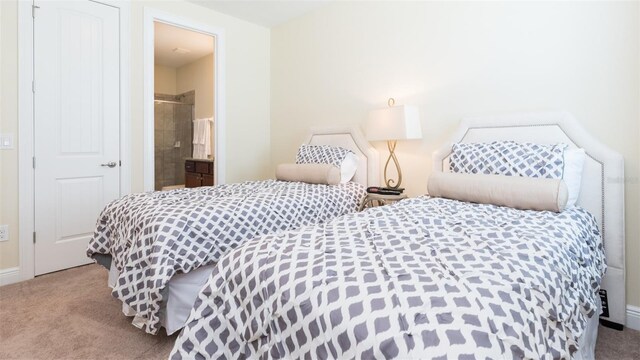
[
  {"x": 10, "y": 276},
  {"x": 633, "y": 317}
]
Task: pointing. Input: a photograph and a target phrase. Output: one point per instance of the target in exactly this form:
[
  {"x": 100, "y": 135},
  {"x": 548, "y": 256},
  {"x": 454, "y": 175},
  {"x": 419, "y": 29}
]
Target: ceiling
[
  {"x": 267, "y": 13},
  {"x": 168, "y": 38}
]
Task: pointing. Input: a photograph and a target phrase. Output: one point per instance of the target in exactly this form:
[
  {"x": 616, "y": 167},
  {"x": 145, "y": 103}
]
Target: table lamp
[{"x": 392, "y": 124}]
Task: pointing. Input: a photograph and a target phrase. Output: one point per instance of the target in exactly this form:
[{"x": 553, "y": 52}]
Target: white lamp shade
[{"x": 394, "y": 123}]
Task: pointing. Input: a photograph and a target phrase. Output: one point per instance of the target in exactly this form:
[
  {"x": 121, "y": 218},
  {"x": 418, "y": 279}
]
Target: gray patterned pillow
[
  {"x": 508, "y": 158},
  {"x": 322, "y": 154}
]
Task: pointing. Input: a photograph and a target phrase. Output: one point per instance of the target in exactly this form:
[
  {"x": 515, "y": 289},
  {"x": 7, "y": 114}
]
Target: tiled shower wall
[{"x": 173, "y": 137}]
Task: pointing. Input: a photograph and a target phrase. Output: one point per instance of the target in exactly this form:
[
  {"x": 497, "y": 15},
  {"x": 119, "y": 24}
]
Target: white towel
[
  {"x": 202, "y": 138},
  {"x": 207, "y": 137}
]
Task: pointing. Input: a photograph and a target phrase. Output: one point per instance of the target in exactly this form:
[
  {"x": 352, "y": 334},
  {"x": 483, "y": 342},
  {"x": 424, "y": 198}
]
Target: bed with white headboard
[
  {"x": 368, "y": 172},
  {"x": 602, "y": 190},
  {"x": 450, "y": 278},
  {"x": 250, "y": 209}
]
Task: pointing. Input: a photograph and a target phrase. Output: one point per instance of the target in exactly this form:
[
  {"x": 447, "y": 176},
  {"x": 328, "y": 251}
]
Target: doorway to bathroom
[
  {"x": 183, "y": 107},
  {"x": 184, "y": 103}
]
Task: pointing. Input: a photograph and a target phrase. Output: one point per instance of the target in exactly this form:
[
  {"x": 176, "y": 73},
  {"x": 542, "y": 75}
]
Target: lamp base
[{"x": 391, "y": 183}]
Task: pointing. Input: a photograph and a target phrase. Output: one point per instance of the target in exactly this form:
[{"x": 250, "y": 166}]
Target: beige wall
[
  {"x": 9, "y": 124},
  {"x": 164, "y": 80},
  {"x": 453, "y": 59},
  {"x": 247, "y": 82},
  {"x": 247, "y": 102},
  {"x": 198, "y": 76}
]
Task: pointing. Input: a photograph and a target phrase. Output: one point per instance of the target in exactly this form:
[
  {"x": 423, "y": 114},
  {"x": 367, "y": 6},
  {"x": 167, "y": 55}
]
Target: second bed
[
  {"x": 430, "y": 277},
  {"x": 160, "y": 247}
]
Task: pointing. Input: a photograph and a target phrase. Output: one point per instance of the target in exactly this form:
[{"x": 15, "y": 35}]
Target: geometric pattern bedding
[
  {"x": 508, "y": 158},
  {"x": 155, "y": 235},
  {"x": 423, "y": 278},
  {"x": 322, "y": 154}
]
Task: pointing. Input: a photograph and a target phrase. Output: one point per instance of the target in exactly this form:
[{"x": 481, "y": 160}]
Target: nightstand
[{"x": 372, "y": 200}]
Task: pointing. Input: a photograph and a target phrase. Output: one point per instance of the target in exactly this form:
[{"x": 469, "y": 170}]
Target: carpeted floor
[{"x": 71, "y": 315}]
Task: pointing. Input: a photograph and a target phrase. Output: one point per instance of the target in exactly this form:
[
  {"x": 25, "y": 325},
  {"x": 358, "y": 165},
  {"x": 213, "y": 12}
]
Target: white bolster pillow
[
  {"x": 512, "y": 191},
  {"x": 309, "y": 173}
]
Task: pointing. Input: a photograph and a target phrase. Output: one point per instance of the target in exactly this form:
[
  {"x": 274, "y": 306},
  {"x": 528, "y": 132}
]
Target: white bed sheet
[
  {"x": 587, "y": 341},
  {"x": 182, "y": 291}
]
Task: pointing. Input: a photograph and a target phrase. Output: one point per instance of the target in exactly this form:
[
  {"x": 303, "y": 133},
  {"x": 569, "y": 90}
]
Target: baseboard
[
  {"x": 10, "y": 276},
  {"x": 633, "y": 317}
]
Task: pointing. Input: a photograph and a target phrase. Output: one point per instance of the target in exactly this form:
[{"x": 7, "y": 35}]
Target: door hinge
[
  {"x": 33, "y": 86},
  {"x": 34, "y": 237},
  {"x": 33, "y": 162},
  {"x": 119, "y": 162},
  {"x": 33, "y": 10}
]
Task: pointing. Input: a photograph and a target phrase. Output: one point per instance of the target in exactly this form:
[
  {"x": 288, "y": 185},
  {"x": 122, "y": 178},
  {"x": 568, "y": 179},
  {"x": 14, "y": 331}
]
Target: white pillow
[
  {"x": 348, "y": 167},
  {"x": 572, "y": 174}
]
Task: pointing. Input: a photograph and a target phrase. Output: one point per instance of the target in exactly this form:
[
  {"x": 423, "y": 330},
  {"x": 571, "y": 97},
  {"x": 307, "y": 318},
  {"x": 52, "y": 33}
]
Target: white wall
[
  {"x": 453, "y": 59},
  {"x": 248, "y": 76}
]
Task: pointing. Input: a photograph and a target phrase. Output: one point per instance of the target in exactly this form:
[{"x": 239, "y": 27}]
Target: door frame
[
  {"x": 219, "y": 103},
  {"x": 26, "y": 120}
]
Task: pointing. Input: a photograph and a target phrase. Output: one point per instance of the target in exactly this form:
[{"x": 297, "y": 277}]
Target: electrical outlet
[{"x": 4, "y": 232}]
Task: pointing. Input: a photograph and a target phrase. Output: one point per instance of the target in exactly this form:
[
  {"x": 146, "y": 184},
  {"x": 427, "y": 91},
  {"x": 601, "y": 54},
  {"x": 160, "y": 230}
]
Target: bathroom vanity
[{"x": 198, "y": 172}]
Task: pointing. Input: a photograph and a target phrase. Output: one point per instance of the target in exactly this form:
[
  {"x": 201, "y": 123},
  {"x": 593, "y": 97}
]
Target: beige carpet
[{"x": 71, "y": 315}]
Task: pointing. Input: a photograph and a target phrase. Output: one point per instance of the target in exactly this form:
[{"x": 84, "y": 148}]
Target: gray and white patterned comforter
[
  {"x": 153, "y": 236},
  {"x": 422, "y": 279}
]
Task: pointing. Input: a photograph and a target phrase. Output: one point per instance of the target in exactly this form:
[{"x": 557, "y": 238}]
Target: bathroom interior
[{"x": 183, "y": 108}]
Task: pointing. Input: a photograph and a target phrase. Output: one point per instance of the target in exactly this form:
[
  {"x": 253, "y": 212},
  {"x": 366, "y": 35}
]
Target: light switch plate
[{"x": 6, "y": 141}]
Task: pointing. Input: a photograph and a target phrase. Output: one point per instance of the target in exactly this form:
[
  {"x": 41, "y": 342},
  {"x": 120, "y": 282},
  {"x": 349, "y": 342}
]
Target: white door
[{"x": 77, "y": 105}]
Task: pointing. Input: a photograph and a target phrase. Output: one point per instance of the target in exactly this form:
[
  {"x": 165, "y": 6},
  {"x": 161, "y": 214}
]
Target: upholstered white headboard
[
  {"x": 368, "y": 172},
  {"x": 602, "y": 191}
]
